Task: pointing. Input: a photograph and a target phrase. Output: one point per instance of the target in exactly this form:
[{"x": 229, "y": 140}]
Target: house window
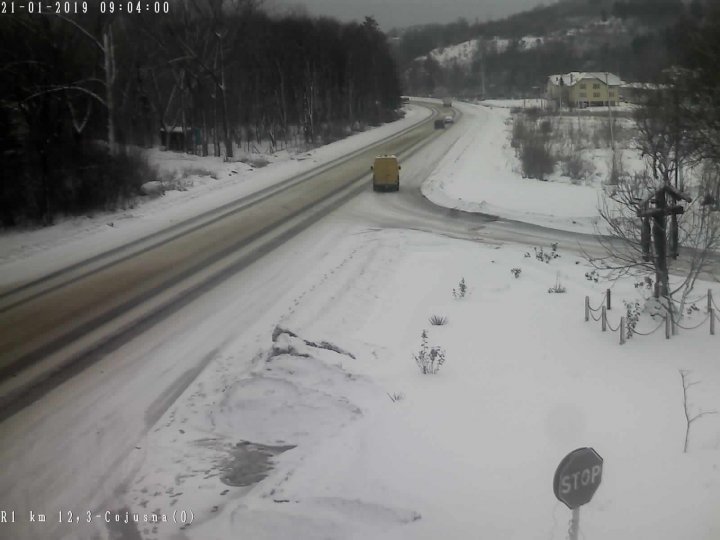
[
  {"x": 596, "y": 94},
  {"x": 583, "y": 94},
  {"x": 596, "y": 86},
  {"x": 612, "y": 93},
  {"x": 582, "y": 86}
]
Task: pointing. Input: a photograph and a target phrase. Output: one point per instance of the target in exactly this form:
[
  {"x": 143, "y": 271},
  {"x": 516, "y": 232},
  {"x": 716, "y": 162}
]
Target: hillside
[{"x": 513, "y": 56}]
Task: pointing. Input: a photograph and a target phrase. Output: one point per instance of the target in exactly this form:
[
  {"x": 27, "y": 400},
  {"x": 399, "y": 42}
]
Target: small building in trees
[
  {"x": 172, "y": 139},
  {"x": 584, "y": 89},
  {"x": 638, "y": 92}
]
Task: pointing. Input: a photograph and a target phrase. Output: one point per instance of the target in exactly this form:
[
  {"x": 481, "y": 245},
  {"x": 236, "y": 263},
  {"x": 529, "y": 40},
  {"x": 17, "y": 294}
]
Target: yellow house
[{"x": 584, "y": 89}]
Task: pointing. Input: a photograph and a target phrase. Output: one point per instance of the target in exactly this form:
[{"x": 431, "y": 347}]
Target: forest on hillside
[
  {"x": 208, "y": 76},
  {"x": 636, "y": 39}
]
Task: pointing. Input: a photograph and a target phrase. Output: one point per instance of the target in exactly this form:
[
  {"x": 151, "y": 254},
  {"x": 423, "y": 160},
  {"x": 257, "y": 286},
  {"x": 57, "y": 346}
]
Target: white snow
[
  {"x": 516, "y": 103},
  {"x": 461, "y": 53},
  {"x": 461, "y": 453},
  {"x": 464, "y": 53},
  {"x": 481, "y": 174},
  {"x": 312, "y": 371}
]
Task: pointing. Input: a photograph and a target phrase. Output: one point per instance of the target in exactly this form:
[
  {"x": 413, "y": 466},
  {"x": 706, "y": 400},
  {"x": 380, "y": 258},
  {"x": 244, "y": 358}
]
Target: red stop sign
[{"x": 578, "y": 477}]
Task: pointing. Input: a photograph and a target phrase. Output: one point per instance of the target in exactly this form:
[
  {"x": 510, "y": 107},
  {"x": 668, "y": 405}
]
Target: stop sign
[{"x": 578, "y": 477}]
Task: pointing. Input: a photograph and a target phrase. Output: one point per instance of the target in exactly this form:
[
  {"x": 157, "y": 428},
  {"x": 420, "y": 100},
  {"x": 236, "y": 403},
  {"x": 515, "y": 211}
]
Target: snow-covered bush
[
  {"x": 429, "y": 359},
  {"x": 645, "y": 287},
  {"x": 632, "y": 316},
  {"x": 438, "y": 320},
  {"x": 558, "y": 287},
  {"x": 461, "y": 291},
  {"x": 575, "y": 167},
  {"x": 533, "y": 147},
  {"x": 516, "y": 272},
  {"x": 542, "y": 256}
]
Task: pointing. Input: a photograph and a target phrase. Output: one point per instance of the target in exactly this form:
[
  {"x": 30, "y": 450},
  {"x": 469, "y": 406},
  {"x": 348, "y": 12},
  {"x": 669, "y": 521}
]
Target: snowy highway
[
  {"x": 64, "y": 317},
  {"x": 92, "y": 359},
  {"x": 285, "y": 325}
]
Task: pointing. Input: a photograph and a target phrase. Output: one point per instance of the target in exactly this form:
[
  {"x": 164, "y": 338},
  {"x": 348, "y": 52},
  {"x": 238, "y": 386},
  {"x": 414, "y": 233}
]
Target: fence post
[
  {"x": 587, "y": 308},
  {"x": 710, "y": 300},
  {"x": 604, "y": 319},
  {"x": 622, "y": 330},
  {"x": 667, "y": 326},
  {"x": 607, "y": 297},
  {"x": 712, "y": 322}
]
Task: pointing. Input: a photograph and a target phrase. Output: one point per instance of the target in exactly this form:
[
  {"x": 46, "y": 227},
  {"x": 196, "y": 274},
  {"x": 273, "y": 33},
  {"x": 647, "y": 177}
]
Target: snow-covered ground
[
  {"x": 365, "y": 446},
  {"x": 314, "y": 420},
  {"x": 517, "y": 103},
  {"x": 481, "y": 174},
  {"x": 461, "y": 54}
]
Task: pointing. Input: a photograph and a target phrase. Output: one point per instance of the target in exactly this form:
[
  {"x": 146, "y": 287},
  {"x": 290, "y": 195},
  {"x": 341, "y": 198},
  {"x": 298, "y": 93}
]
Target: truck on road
[{"x": 386, "y": 173}]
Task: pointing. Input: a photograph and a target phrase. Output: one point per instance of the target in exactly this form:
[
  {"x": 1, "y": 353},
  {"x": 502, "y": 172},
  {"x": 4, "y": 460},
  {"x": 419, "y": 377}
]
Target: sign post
[
  {"x": 574, "y": 524},
  {"x": 576, "y": 480}
]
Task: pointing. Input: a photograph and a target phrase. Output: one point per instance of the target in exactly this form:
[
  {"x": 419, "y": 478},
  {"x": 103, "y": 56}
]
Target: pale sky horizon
[{"x": 404, "y": 13}]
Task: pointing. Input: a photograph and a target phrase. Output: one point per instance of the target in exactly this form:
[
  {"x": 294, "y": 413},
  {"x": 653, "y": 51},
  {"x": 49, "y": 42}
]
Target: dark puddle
[{"x": 248, "y": 463}]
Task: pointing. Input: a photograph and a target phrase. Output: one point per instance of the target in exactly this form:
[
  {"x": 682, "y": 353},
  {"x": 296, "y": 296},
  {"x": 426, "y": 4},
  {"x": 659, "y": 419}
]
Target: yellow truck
[{"x": 386, "y": 173}]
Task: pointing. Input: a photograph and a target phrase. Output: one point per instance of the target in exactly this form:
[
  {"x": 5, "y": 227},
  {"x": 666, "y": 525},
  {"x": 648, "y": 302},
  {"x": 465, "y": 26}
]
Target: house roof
[
  {"x": 572, "y": 78},
  {"x": 644, "y": 86}
]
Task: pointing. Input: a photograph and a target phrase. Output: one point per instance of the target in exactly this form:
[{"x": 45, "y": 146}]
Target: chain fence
[
  {"x": 627, "y": 330},
  {"x": 662, "y": 322},
  {"x": 611, "y": 328},
  {"x": 696, "y": 326}
]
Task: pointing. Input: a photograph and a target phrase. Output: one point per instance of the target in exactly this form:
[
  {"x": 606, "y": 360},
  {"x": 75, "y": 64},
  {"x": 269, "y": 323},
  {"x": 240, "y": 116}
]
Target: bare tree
[
  {"x": 106, "y": 45},
  {"x": 686, "y": 384},
  {"x": 644, "y": 214}
]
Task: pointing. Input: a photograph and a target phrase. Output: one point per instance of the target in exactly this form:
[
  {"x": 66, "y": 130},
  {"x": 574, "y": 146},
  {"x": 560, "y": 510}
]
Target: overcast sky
[{"x": 401, "y": 13}]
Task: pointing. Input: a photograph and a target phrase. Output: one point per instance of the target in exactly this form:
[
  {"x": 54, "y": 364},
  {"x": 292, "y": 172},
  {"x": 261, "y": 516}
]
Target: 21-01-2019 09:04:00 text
[{"x": 69, "y": 7}]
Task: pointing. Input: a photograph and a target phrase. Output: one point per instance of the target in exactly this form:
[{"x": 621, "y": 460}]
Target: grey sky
[{"x": 400, "y": 13}]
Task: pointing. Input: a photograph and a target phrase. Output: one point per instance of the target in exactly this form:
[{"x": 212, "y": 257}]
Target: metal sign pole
[
  {"x": 575, "y": 524},
  {"x": 576, "y": 479}
]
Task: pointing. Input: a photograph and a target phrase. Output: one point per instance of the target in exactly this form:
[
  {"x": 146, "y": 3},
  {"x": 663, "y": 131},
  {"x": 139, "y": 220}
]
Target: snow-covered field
[
  {"x": 326, "y": 428},
  {"x": 365, "y": 446},
  {"x": 481, "y": 174}
]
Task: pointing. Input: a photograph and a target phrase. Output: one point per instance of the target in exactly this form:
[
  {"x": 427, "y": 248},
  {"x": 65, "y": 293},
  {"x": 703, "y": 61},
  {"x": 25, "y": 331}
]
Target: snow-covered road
[{"x": 307, "y": 355}]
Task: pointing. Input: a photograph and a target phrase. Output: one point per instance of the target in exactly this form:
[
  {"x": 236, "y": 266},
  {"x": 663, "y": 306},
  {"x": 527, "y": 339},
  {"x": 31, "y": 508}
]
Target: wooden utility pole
[
  {"x": 660, "y": 242},
  {"x": 659, "y": 216}
]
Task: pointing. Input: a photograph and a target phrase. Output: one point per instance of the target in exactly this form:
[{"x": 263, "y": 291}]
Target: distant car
[
  {"x": 447, "y": 102},
  {"x": 448, "y": 120},
  {"x": 404, "y": 99},
  {"x": 439, "y": 124}
]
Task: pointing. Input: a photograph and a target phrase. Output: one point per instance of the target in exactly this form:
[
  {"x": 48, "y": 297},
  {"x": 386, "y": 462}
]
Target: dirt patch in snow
[{"x": 249, "y": 463}]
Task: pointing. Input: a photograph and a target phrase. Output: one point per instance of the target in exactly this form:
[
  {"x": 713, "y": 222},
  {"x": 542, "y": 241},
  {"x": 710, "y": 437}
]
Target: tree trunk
[
  {"x": 226, "y": 130},
  {"x": 660, "y": 241},
  {"x": 204, "y": 135},
  {"x": 109, "y": 52}
]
